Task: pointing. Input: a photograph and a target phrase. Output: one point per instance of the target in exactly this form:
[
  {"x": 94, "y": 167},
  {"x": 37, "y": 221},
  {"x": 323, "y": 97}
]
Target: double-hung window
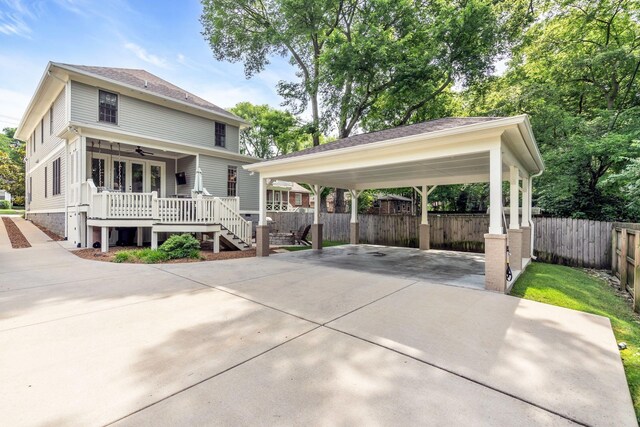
[
  {"x": 51, "y": 120},
  {"x": 221, "y": 134},
  {"x": 107, "y": 107}
]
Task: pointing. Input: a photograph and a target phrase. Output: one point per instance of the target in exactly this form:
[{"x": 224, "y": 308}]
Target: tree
[
  {"x": 12, "y": 152},
  {"x": 272, "y": 132},
  {"x": 576, "y": 75},
  {"x": 386, "y": 60}
]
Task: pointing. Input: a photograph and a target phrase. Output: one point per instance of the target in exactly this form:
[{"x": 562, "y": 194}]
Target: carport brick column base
[
  {"x": 425, "y": 242},
  {"x": 354, "y": 233},
  {"x": 526, "y": 242},
  {"x": 495, "y": 258},
  {"x": 316, "y": 233},
  {"x": 262, "y": 240},
  {"x": 515, "y": 249}
]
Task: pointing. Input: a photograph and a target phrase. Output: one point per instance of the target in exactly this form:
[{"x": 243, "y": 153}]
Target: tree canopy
[{"x": 12, "y": 154}]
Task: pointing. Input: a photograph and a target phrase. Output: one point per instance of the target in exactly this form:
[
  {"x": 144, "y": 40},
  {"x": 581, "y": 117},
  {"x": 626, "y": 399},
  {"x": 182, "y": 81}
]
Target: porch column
[
  {"x": 139, "y": 236},
  {"x": 154, "y": 239},
  {"x": 354, "y": 236},
  {"x": 104, "y": 240},
  {"x": 495, "y": 242},
  {"x": 425, "y": 241},
  {"x": 524, "y": 224},
  {"x": 262, "y": 230},
  {"x": 514, "y": 240},
  {"x": 216, "y": 242},
  {"x": 316, "y": 228}
]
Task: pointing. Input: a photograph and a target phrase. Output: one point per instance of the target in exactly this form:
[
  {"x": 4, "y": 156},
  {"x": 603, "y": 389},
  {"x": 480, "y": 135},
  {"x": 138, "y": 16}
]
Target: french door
[{"x": 129, "y": 175}]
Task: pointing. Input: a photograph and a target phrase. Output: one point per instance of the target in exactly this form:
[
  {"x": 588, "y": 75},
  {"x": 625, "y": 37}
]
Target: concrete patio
[{"x": 297, "y": 338}]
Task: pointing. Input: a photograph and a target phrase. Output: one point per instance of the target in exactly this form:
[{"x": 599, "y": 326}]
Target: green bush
[
  {"x": 148, "y": 256},
  {"x": 5, "y": 204},
  {"x": 181, "y": 246}
]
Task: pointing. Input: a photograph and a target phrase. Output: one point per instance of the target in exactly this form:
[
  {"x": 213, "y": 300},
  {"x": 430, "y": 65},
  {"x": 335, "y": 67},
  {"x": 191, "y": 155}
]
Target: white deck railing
[{"x": 148, "y": 206}]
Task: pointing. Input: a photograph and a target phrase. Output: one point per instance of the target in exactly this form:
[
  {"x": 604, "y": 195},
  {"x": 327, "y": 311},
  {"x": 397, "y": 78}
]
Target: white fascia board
[
  {"x": 45, "y": 159},
  {"x": 383, "y": 155},
  {"x": 184, "y": 105},
  {"x": 477, "y": 128},
  {"x": 530, "y": 141},
  {"x": 118, "y": 135},
  {"x": 510, "y": 159}
]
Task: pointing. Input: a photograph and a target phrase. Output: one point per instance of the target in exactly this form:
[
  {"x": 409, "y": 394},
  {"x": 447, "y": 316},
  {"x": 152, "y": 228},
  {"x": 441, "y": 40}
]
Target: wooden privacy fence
[
  {"x": 625, "y": 261},
  {"x": 573, "y": 242}
]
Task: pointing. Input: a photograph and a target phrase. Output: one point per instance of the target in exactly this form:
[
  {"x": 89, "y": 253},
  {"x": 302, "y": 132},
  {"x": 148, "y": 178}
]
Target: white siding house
[{"x": 110, "y": 149}]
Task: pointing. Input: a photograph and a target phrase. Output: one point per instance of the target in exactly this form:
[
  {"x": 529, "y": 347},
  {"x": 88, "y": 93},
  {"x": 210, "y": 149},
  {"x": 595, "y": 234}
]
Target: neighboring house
[
  {"x": 5, "y": 195},
  {"x": 392, "y": 204},
  {"x": 285, "y": 196},
  {"x": 109, "y": 148}
]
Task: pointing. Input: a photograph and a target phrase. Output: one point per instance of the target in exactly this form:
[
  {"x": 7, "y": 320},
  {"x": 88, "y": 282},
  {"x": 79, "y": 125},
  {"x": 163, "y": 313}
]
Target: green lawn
[
  {"x": 11, "y": 212},
  {"x": 325, "y": 244},
  {"x": 575, "y": 289}
]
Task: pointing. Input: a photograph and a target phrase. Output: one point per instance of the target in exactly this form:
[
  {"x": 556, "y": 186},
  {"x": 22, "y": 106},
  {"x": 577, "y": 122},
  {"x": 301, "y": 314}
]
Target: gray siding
[
  {"x": 39, "y": 201},
  {"x": 152, "y": 120},
  {"x": 188, "y": 166},
  {"x": 214, "y": 176}
]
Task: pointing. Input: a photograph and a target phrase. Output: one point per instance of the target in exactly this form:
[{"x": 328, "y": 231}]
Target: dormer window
[
  {"x": 221, "y": 134},
  {"x": 108, "y": 107}
]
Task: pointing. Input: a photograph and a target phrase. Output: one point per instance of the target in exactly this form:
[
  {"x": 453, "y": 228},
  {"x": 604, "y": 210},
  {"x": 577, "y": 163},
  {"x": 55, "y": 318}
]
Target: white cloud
[
  {"x": 142, "y": 54},
  {"x": 13, "y": 19}
]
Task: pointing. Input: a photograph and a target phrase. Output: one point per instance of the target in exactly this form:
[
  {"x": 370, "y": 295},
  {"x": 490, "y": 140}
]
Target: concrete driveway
[{"x": 287, "y": 340}]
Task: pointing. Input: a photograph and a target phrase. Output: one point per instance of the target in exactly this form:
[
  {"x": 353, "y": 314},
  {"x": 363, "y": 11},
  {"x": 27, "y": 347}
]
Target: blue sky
[{"x": 161, "y": 36}]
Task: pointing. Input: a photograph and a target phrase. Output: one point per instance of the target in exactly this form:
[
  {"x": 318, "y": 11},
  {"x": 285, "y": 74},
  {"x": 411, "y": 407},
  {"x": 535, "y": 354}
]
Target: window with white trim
[
  {"x": 56, "y": 177},
  {"x": 107, "y": 107},
  {"x": 221, "y": 134},
  {"x": 298, "y": 199},
  {"x": 232, "y": 181},
  {"x": 51, "y": 120}
]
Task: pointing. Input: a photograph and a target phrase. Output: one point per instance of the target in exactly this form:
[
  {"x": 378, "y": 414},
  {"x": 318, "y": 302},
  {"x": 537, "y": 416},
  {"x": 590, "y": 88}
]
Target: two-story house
[{"x": 111, "y": 150}]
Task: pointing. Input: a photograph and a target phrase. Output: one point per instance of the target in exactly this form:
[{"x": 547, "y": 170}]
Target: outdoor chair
[{"x": 301, "y": 235}]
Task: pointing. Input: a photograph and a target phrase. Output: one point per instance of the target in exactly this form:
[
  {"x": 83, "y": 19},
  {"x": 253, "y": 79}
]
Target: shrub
[
  {"x": 148, "y": 256},
  {"x": 5, "y": 204},
  {"x": 181, "y": 246}
]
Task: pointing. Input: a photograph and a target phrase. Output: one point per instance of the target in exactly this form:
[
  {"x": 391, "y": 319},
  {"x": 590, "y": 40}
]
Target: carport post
[
  {"x": 515, "y": 233},
  {"x": 424, "y": 233},
  {"x": 354, "y": 235},
  {"x": 495, "y": 242},
  {"x": 316, "y": 228},
  {"x": 262, "y": 229}
]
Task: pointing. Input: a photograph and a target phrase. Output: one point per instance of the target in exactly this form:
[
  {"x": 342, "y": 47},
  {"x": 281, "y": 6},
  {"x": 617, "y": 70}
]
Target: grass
[
  {"x": 575, "y": 289},
  {"x": 146, "y": 255},
  {"x": 11, "y": 212},
  {"x": 325, "y": 244}
]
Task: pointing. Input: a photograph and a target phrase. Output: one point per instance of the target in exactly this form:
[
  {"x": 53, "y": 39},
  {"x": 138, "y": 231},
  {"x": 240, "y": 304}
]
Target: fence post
[
  {"x": 622, "y": 264},
  {"x": 614, "y": 247},
  {"x": 636, "y": 273}
]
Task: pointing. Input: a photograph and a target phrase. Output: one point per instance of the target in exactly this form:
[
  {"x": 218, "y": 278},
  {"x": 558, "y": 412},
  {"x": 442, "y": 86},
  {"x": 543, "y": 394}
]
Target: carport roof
[{"x": 438, "y": 152}]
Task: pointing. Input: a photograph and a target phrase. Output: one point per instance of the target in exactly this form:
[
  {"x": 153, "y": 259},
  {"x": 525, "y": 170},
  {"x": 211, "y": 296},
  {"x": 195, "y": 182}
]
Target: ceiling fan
[{"x": 142, "y": 152}]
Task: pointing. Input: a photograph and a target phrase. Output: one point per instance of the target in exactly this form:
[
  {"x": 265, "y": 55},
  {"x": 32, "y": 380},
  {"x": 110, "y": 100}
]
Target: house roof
[
  {"x": 392, "y": 133},
  {"x": 394, "y": 197},
  {"x": 146, "y": 81}
]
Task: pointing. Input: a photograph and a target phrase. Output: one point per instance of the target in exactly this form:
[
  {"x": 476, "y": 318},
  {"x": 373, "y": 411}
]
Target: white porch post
[
  {"x": 262, "y": 230},
  {"x": 354, "y": 230},
  {"x": 495, "y": 191},
  {"x": 216, "y": 242},
  {"x": 495, "y": 242},
  {"x": 526, "y": 216},
  {"x": 139, "y": 235},
  {"x": 104, "y": 240},
  {"x": 425, "y": 213},
  {"x": 316, "y": 228},
  {"x": 514, "y": 240}
]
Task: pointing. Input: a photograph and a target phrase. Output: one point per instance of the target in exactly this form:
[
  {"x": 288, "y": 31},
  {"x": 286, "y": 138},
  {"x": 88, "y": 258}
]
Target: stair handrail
[{"x": 240, "y": 227}]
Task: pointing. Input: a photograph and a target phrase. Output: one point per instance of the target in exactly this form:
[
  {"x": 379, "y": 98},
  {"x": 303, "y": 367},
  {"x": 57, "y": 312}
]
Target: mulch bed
[
  {"x": 16, "y": 237},
  {"x": 207, "y": 255},
  {"x": 51, "y": 234}
]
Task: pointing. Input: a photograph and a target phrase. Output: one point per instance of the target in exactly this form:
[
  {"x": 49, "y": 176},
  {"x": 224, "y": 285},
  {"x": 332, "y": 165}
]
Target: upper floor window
[
  {"x": 232, "y": 181},
  {"x": 51, "y": 120},
  {"x": 42, "y": 131},
  {"x": 33, "y": 142},
  {"x": 107, "y": 107},
  {"x": 221, "y": 134}
]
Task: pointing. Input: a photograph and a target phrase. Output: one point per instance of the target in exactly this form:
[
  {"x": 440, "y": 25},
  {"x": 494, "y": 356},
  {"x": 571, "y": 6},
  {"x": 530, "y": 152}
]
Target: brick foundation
[
  {"x": 495, "y": 262},
  {"x": 425, "y": 238}
]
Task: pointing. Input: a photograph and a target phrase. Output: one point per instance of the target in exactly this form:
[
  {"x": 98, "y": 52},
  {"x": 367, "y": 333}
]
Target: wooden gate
[{"x": 625, "y": 262}]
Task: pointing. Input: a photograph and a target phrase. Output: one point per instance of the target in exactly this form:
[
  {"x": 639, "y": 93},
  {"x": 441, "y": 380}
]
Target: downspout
[{"x": 531, "y": 225}]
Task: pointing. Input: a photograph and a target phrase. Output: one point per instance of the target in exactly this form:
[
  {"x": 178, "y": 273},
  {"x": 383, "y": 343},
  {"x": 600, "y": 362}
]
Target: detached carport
[{"x": 424, "y": 155}]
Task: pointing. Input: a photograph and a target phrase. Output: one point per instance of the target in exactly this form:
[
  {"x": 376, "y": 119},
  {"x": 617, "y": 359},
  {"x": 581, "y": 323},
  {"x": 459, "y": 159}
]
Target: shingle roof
[
  {"x": 154, "y": 84},
  {"x": 392, "y": 133}
]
